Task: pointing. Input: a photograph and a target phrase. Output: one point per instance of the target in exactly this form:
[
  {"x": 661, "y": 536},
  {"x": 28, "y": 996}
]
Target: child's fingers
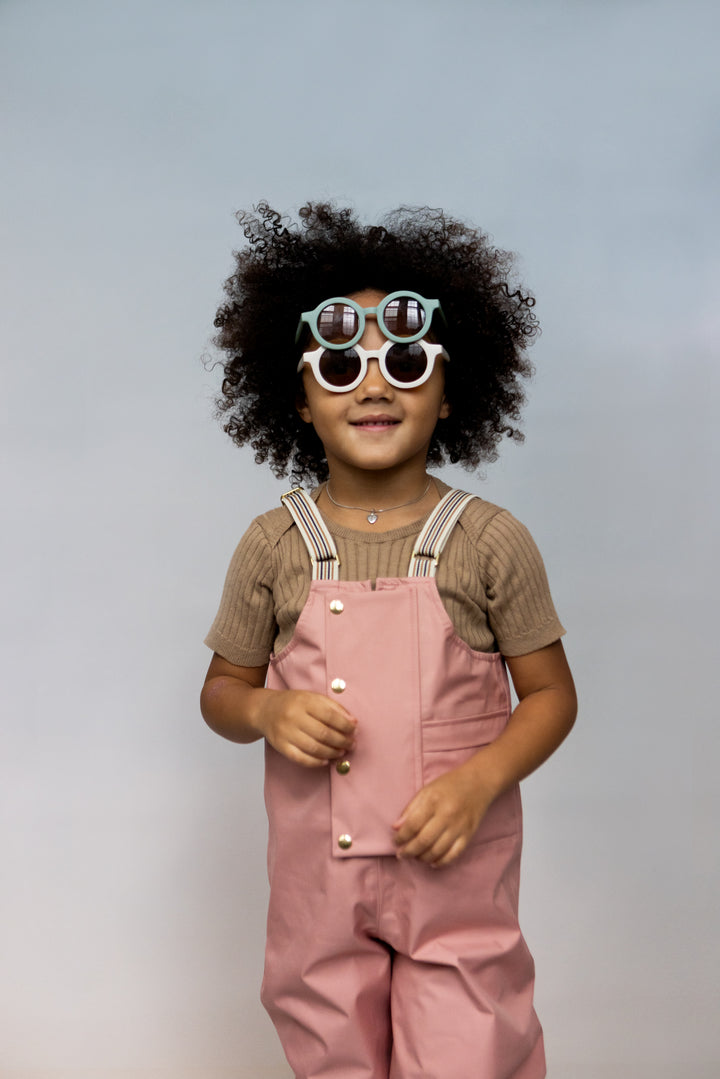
[
  {"x": 416, "y": 831},
  {"x": 434, "y": 848},
  {"x": 445, "y": 848},
  {"x": 309, "y": 729},
  {"x": 420, "y": 845},
  {"x": 305, "y": 760},
  {"x": 333, "y": 715},
  {"x": 417, "y": 814},
  {"x": 436, "y": 825},
  {"x": 330, "y": 738},
  {"x": 302, "y": 748},
  {"x": 313, "y": 738},
  {"x": 452, "y": 853}
]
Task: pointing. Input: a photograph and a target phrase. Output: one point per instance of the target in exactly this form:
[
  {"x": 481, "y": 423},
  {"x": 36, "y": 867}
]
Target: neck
[
  {"x": 380, "y": 502},
  {"x": 379, "y": 488}
]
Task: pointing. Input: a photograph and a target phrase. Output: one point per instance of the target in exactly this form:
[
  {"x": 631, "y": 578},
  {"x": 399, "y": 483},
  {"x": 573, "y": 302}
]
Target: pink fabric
[{"x": 377, "y": 968}]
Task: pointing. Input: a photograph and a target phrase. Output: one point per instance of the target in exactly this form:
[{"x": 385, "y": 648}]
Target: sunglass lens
[
  {"x": 404, "y": 316},
  {"x": 340, "y": 368},
  {"x": 337, "y": 323},
  {"x": 406, "y": 363}
]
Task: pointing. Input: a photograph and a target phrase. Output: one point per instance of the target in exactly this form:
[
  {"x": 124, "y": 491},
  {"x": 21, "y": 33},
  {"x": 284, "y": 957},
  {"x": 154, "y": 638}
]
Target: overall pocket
[{"x": 449, "y": 742}]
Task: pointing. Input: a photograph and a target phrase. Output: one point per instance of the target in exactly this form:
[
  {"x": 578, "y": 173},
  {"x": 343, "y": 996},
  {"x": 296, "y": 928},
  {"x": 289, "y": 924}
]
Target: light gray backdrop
[{"x": 585, "y": 136}]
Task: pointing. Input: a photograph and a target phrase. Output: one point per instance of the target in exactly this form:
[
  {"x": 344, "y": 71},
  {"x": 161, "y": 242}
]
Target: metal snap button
[
  {"x": 343, "y": 767},
  {"x": 337, "y": 685},
  {"x": 337, "y": 606},
  {"x": 345, "y": 842}
]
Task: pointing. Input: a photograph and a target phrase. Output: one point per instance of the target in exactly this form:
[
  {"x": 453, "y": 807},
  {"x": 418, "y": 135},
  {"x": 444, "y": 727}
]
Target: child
[{"x": 364, "y": 632}]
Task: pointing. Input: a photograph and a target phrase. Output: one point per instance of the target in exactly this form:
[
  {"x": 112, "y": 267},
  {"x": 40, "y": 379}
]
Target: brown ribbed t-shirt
[{"x": 490, "y": 577}]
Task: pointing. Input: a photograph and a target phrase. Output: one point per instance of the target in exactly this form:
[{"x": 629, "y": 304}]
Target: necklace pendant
[{"x": 372, "y": 517}]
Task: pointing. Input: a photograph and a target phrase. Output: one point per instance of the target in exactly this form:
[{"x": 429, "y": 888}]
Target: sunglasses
[
  {"x": 339, "y": 322},
  {"x": 405, "y": 365}
]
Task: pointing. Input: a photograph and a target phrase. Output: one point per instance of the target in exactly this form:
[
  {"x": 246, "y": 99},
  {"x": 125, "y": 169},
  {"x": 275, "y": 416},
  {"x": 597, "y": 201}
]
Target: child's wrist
[
  {"x": 257, "y": 717},
  {"x": 485, "y": 777}
]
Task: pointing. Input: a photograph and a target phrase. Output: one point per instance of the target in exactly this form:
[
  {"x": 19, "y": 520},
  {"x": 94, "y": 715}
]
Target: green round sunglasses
[{"x": 339, "y": 322}]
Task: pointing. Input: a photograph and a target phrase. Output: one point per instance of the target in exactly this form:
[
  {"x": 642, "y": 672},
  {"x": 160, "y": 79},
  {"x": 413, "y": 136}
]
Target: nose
[{"x": 374, "y": 386}]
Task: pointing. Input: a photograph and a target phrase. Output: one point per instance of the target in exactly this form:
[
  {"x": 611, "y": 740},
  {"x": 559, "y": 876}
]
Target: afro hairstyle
[{"x": 287, "y": 268}]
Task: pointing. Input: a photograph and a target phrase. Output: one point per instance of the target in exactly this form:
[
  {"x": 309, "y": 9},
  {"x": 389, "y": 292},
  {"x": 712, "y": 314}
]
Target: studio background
[{"x": 582, "y": 135}]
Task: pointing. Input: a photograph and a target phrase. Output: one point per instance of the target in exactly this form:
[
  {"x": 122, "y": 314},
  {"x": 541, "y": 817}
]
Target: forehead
[{"x": 367, "y": 297}]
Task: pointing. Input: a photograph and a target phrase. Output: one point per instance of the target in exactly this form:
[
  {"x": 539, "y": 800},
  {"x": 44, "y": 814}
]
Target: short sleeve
[
  {"x": 244, "y": 628},
  {"x": 520, "y": 610}
]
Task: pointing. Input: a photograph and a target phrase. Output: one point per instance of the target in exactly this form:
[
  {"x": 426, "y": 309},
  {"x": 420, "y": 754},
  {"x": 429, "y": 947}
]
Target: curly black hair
[{"x": 287, "y": 268}]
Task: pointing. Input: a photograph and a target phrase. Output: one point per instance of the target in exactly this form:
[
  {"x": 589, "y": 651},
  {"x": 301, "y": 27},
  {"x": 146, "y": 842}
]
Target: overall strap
[
  {"x": 319, "y": 542},
  {"x": 435, "y": 534}
]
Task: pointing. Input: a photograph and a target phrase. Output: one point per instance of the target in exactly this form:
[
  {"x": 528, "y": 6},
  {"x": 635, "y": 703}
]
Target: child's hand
[
  {"x": 305, "y": 727},
  {"x": 439, "y": 822}
]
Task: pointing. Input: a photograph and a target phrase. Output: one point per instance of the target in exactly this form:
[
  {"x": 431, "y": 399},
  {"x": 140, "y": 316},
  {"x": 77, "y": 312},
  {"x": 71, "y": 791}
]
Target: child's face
[{"x": 376, "y": 426}]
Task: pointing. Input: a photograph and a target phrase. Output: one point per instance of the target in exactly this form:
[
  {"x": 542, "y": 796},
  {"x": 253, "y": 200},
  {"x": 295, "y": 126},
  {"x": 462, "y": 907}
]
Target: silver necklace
[{"x": 372, "y": 515}]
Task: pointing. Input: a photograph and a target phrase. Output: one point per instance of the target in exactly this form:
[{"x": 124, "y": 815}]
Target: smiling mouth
[{"x": 375, "y": 423}]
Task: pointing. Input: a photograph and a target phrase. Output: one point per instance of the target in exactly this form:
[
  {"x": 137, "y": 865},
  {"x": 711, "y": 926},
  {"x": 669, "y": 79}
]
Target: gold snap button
[
  {"x": 337, "y": 606},
  {"x": 337, "y": 685},
  {"x": 343, "y": 767},
  {"x": 345, "y": 842}
]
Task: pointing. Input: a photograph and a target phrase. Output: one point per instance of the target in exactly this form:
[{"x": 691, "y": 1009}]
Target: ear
[
  {"x": 302, "y": 406},
  {"x": 445, "y": 409}
]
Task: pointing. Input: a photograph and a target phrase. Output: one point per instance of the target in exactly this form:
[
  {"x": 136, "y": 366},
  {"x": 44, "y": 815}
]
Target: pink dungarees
[{"x": 378, "y": 968}]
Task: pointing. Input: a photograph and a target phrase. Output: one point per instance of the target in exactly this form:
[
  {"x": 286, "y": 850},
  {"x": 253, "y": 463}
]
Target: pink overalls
[{"x": 378, "y": 968}]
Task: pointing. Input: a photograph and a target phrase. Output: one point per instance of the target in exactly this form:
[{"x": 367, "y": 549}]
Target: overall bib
[{"x": 378, "y": 968}]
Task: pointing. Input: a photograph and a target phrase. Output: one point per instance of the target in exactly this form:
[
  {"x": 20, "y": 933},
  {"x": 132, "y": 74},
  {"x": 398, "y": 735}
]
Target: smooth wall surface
[{"x": 584, "y": 136}]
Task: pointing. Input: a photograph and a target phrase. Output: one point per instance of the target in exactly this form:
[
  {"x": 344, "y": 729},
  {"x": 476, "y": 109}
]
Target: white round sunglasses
[{"x": 404, "y": 365}]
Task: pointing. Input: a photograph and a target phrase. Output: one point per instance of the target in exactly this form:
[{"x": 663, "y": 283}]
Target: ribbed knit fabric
[{"x": 491, "y": 580}]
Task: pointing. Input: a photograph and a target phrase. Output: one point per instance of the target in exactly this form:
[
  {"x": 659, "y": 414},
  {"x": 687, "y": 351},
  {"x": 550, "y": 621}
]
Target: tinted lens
[
  {"x": 340, "y": 368},
  {"x": 404, "y": 317},
  {"x": 337, "y": 323},
  {"x": 406, "y": 363}
]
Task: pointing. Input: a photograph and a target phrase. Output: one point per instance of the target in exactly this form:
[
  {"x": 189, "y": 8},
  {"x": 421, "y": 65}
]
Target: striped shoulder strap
[
  {"x": 435, "y": 534},
  {"x": 319, "y": 542}
]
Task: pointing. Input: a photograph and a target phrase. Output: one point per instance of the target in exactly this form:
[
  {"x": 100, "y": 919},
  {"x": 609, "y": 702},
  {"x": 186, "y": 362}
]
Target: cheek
[{"x": 320, "y": 408}]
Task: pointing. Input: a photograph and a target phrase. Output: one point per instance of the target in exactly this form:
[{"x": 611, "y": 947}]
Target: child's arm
[
  {"x": 307, "y": 728},
  {"x": 439, "y": 822}
]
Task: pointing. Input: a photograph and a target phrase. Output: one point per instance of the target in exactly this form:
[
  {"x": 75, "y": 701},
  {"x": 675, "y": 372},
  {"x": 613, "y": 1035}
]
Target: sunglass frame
[
  {"x": 311, "y": 319},
  {"x": 432, "y": 353}
]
